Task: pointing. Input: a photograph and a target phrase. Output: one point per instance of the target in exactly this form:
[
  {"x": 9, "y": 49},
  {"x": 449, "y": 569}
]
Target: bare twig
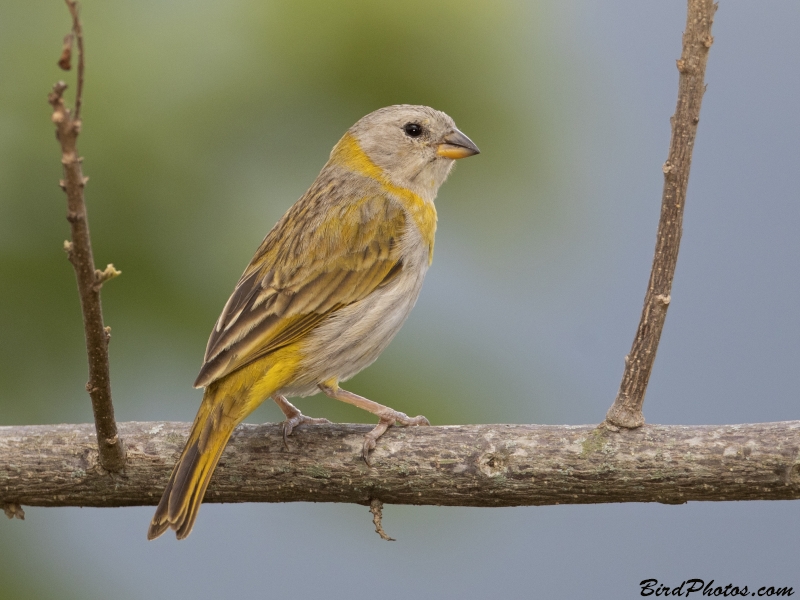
[
  {"x": 376, "y": 508},
  {"x": 77, "y": 32},
  {"x": 473, "y": 465},
  {"x": 79, "y": 251},
  {"x": 627, "y": 408}
]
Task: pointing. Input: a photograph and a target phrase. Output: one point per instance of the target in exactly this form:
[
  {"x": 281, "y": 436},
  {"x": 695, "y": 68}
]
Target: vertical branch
[
  {"x": 627, "y": 408},
  {"x": 79, "y": 251},
  {"x": 77, "y": 31}
]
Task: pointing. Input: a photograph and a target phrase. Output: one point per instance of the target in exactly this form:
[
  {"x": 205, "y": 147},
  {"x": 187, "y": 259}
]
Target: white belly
[{"x": 354, "y": 336}]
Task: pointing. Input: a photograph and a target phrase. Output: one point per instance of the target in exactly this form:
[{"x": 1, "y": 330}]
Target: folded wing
[{"x": 316, "y": 260}]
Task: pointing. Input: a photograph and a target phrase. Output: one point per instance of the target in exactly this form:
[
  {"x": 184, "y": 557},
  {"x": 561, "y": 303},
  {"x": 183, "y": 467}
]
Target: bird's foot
[
  {"x": 388, "y": 418},
  {"x": 294, "y": 418},
  {"x": 299, "y": 419}
]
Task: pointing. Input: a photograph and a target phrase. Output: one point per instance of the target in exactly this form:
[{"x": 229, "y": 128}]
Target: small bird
[{"x": 325, "y": 293}]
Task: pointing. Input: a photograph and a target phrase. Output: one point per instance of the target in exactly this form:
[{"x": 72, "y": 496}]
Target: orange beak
[{"x": 456, "y": 145}]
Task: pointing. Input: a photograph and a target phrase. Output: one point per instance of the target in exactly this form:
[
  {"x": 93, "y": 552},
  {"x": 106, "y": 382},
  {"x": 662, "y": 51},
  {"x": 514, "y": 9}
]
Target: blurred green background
[{"x": 204, "y": 121}]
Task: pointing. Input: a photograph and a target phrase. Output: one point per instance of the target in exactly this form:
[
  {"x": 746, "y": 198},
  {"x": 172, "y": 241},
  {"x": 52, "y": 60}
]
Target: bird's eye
[{"x": 413, "y": 129}]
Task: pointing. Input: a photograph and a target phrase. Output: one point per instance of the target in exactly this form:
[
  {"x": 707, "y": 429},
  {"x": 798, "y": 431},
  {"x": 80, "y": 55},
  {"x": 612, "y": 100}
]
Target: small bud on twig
[
  {"x": 100, "y": 277},
  {"x": 65, "y": 61}
]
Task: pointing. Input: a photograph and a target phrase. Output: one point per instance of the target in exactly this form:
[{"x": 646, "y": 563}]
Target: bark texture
[
  {"x": 471, "y": 465},
  {"x": 627, "y": 408}
]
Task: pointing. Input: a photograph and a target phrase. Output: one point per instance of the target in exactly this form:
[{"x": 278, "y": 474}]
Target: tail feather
[
  {"x": 190, "y": 477},
  {"x": 226, "y": 402}
]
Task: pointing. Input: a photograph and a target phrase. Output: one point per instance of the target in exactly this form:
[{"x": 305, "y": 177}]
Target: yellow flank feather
[
  {"x": 276, "y": 370},
  {"x": 259, "y": 379},
  {"x": 349, "y": 154}
]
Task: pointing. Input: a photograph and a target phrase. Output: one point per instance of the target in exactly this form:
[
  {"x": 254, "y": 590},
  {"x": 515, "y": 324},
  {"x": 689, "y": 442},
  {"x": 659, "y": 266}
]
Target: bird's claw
[
  {"x": 295, "y": 421},
  {"x": 388, "y": 420}
]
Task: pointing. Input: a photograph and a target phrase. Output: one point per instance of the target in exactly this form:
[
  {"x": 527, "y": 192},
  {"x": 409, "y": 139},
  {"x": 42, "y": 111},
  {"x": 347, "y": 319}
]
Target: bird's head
[{"x": 414, "y": 146}]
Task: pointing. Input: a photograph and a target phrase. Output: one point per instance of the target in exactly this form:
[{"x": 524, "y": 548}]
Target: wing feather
[{"x": 283, "y": 295}]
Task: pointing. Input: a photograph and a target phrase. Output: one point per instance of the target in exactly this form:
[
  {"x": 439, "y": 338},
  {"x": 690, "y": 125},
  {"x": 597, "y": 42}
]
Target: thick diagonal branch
[
  {"x": 472, "y": 465},
  {"x": 90, "y": 280},
  {"x": 627, "y": 408}
]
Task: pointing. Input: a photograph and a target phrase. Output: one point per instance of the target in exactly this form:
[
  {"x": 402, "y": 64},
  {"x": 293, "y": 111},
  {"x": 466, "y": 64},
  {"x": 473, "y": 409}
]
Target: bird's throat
[{"x": 349, "y": 155}]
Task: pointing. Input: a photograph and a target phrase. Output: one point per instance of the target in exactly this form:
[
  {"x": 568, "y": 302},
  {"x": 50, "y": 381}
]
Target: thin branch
[
  {"x": 627, "y": 408},
  {"x": 77, "y": 31},
  {"x": 79, "y": 251},
  {"x": 472, "y": 465},
  {"x": 376, "y": 508}
]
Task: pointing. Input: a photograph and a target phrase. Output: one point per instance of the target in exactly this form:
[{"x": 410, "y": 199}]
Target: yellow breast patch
[{"x": 349, "y": 154}]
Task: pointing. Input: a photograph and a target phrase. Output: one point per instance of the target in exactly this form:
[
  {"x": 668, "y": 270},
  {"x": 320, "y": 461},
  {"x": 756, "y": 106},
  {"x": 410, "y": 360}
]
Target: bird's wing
[{"x": 316, "y": 260}]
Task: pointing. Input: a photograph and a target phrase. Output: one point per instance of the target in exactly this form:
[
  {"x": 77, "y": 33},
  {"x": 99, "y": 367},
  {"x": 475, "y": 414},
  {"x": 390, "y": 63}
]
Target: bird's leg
[
  {"x": 388, "y": 416},
  {"x": 293, "y": 417}
]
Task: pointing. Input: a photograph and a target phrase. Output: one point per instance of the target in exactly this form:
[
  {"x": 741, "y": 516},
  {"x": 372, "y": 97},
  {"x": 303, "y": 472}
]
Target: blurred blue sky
[{"x": 204, "y": 122}]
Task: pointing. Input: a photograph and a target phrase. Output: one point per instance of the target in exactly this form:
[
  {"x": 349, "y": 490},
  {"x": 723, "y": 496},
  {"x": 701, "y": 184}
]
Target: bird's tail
[{"x": 187, "y": 485}]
